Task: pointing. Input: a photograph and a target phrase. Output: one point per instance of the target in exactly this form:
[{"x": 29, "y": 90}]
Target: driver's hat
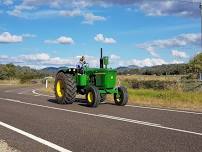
[{"x": 82, "y": 58}]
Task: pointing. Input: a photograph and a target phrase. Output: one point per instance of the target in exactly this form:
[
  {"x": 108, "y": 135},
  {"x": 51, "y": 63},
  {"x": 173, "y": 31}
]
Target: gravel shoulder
[{"x": 4, "y": 147}]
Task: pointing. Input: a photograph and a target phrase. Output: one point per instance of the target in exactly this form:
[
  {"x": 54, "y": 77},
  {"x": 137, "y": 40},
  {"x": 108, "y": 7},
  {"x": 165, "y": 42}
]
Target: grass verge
[{"x": 166, "y": 98}]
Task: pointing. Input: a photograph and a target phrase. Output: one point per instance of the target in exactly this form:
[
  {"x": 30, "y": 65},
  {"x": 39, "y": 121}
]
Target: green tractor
[{"x": 95, "y": 83}]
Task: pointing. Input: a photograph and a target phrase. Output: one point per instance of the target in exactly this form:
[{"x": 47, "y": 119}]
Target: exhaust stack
[{"x": 101, "y": 59}]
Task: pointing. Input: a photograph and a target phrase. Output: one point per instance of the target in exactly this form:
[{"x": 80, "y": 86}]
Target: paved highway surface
[{"x": 32, "y": 122}]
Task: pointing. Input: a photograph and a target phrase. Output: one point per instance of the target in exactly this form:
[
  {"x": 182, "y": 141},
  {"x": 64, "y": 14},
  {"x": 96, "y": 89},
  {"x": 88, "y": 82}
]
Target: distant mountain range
[
  {"x": 119, "y": 69},
  {"x": 130, "y": 67},
  {"x": 52, "y": 69},
  {"x": 169, "y": 69}
]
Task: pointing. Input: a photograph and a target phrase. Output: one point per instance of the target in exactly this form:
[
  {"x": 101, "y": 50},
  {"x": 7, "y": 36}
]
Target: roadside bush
[{"x": 152, "y": 84}]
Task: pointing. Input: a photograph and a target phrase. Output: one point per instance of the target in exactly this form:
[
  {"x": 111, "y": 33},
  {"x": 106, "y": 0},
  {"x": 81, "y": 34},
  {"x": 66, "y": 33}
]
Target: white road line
[
  {"x": 36, "y": 95},
  {"x": 107, "y": 117},
  {"x": 39, "y": 94},
  {"x": 7, "y": 91},
  {"x": 33, "y": 137},
  {"x": 142, "y": 107},
  {"x": 161, "y": 109}
]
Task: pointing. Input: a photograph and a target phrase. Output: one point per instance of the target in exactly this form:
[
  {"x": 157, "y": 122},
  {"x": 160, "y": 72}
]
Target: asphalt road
[{"x": 32, "y": 122}]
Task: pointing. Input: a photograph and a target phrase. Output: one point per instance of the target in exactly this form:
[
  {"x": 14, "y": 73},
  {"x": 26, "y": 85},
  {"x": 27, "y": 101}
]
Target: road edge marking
[
  {"x": 107, "y": 117},
  {"x": 39, "y": 94},
  {"x": 163, "y": 109},
  {"x": 35, "y": 138}
]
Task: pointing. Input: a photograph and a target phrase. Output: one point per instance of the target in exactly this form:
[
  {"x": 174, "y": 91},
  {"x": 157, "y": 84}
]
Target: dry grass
[
  {"x": 148, "y": 77},
  {"x": 9, "y": 82},
  {"x": 16, "y": 83}
]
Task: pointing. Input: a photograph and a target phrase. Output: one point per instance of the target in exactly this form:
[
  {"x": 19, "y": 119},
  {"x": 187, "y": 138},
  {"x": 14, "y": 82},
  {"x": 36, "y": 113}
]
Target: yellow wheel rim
[
  {"x": 59, "y": 88},
  {"x": 90, "y": 97}
]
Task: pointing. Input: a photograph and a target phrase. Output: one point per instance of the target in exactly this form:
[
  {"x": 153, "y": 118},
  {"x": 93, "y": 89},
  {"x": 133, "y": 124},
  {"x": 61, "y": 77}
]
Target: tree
[{"x": 195, "y": 65}]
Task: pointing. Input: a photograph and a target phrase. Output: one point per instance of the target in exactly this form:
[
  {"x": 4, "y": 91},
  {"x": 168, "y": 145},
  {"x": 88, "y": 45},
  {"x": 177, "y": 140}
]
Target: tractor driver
[{"x": 81, "y": 63}]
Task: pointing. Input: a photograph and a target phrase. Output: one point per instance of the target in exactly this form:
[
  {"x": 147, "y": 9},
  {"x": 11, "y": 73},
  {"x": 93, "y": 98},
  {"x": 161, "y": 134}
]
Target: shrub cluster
[{"x": 153, "y": 84}]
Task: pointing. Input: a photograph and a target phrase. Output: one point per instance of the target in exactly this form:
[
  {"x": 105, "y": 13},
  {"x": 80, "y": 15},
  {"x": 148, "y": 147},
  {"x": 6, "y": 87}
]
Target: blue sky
[{"x": 41, "y": 33}]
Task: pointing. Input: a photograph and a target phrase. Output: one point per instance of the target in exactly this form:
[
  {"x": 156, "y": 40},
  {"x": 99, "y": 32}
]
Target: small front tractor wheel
[
  {"x": 65, "y": 88},
  {"x": 121, "y": 98},
  {"x": 93, "y": 96}
]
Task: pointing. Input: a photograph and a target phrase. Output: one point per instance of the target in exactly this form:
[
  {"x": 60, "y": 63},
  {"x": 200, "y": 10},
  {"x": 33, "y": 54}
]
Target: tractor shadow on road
[{"x": 79, "y": 101}]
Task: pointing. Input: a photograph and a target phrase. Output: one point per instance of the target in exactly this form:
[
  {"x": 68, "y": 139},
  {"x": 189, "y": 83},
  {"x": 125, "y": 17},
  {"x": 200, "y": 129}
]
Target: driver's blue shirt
[{"x": 80, "y": 64}]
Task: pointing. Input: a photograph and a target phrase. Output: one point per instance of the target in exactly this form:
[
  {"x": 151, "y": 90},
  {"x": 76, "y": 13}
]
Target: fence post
[{"x": 46, "y": 83}]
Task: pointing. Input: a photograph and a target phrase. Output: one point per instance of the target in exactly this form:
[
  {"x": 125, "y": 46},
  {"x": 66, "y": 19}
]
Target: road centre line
[{"x": 107, "y": 117}]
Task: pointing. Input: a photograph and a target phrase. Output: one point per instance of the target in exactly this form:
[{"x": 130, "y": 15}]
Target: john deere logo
[{"x": 112, "y": 77}]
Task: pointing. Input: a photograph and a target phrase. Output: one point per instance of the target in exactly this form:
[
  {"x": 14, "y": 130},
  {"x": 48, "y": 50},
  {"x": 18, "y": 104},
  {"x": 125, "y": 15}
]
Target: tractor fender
[{"x": 62, "y": 71}]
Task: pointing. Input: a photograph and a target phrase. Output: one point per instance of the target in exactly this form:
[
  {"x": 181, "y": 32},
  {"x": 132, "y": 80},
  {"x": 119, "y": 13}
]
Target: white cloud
[
  {"x": 103, "y": 39},
  {"x": 177, "y": 62},
  {"x": 179, "y": 54},
  {"x": 90, "y": 18},
  {"x": 31, "y": 9},
  {"x": 35, "y": 57},
  {"x": 61, "y": 40},
  {"x": 41, "y": 60},
  {"x": 164, "y": 8},
  {"x": 18, "y": 10},
  {"x": 117, "y": 61},
  {"x": 3, "y": 57},
  {"x": 146, "y": 62},
  {"x": 75, "y": 12},
  {"x": 178, "y": 41},
  {"x": 6, "y": 37},
  {"x": 82, "y": 3},
  {"x": 7, "y": 2},
  {"x": 151, "y": 8},
  {"x": 28, "y": 35},
  {"x": 65, "y": 40},
  {"x": 114, "y": 57}
]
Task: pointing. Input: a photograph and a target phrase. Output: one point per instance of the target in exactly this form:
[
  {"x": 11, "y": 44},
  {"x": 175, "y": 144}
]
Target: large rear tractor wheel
[
  {"x": 65, "y": 88},
  {"x": 121, "y": 98},
  {"x": 93, "y": 96}
]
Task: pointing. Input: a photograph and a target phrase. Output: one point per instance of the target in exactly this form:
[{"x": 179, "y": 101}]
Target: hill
[
  {"x": 52, "y": 70},
  {"x": 168, "y": 69}
]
